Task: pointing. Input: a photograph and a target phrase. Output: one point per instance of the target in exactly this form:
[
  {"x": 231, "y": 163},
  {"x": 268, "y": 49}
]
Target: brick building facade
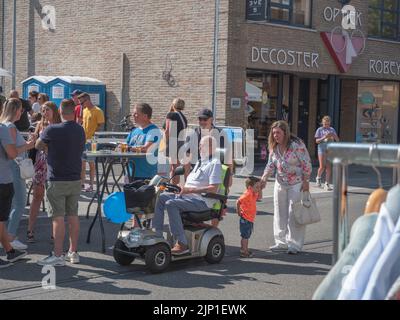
[{"x": 288, "y": 61}]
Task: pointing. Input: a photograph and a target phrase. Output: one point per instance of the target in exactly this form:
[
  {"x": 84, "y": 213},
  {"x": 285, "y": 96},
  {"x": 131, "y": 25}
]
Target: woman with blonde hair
[
  {"x": 175, "y": 123},
  {"x": 323, "y": 136},
  {"x": 50, "y": 116},
  {"x": 290, "y": 161},
  {"x": 12, "y": 112}
]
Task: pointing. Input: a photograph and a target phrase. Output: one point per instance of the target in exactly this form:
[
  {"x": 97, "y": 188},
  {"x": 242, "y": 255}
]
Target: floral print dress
[
  {"x": 40, "y": 176},
  {"x": 293, "y": 166}
]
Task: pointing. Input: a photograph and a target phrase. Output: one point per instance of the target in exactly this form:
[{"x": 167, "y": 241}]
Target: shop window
[
  {"x": 291, "y": 12},
  {"x": 384, "y": 19},
  {"x": 377, "y": 112}
]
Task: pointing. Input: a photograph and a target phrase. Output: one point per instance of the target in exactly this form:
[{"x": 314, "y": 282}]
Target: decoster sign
[{"x": 277, "y": 56}]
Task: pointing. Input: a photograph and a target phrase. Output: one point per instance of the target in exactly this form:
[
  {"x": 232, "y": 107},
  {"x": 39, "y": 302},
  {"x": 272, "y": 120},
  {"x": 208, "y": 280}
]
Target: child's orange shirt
[{"x": 248, "y": 205}]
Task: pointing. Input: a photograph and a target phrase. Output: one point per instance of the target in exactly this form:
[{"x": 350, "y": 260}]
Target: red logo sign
[{"x": 343, "y": 47}]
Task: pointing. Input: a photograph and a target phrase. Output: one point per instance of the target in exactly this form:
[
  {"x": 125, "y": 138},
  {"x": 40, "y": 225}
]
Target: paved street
[{"x": 266, "y": 276}]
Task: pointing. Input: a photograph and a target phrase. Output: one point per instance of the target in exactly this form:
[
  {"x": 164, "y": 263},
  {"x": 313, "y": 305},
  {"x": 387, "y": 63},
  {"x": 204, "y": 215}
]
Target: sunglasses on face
[{"x": 203, "y": 119}]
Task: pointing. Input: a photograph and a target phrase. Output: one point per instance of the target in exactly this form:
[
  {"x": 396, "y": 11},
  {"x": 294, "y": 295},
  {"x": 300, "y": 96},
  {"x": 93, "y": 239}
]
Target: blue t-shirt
[
  {"x": 5, "y": 167},
  {"x": 145, "y": 167},
  {"x": 66, "y": 143}
]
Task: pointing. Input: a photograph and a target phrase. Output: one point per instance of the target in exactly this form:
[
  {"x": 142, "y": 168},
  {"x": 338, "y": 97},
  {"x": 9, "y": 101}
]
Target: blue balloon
[{"x": 114, "y": 208}]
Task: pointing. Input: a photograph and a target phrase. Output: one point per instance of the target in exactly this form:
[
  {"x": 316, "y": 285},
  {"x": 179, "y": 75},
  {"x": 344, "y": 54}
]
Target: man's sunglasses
[{"x": 203, "y": 119}]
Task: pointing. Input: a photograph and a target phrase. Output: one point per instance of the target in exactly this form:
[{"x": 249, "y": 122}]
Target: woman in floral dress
[
  {"x": 290, "y": 161},
  {"x": 50, "y": 116}
]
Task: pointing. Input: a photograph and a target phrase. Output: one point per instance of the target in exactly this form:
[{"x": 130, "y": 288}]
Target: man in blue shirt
[
  {"x": 64, "y": 143},
  {"x": 144, "y": 138}
]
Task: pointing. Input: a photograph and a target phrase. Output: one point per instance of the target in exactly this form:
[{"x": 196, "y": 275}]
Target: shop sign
[
  {"x": 255, "y": 10},
  {"x": 345, "y": 15},
  {"x": 236, "y": 103},
  {"x": 384, "y": 67},
  {"x": 286, "y": 57},
  {"x": 345, "y": 42}
]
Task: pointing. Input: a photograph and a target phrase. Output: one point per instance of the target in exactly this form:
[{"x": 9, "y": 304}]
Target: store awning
[
  {"x": 253, "y": 93},
  {"x": 5, "y": 73}
]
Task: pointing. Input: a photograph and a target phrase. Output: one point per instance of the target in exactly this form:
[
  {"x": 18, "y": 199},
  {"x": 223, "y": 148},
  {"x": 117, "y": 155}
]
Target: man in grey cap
[
  {"x": 78, "y": 107},
  {"x": 206, "y": 128}
]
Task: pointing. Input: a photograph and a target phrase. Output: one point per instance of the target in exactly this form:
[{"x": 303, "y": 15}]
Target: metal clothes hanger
[
  {"x": 398, "y": 165},
  {"x": 378, "y": 196},
  {"x": 378, "y": 173}
]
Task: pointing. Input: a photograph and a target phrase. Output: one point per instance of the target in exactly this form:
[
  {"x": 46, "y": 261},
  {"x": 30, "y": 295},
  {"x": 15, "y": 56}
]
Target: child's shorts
[{"x": 246, "y": 228}]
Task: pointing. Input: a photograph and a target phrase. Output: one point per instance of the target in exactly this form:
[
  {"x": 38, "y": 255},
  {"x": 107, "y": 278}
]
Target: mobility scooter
[{"x": 142, "y": 242}]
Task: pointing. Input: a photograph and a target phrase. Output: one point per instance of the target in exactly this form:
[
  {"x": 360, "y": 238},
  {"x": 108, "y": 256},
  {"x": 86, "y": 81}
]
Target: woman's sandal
[{"x": 30, "y": 238}]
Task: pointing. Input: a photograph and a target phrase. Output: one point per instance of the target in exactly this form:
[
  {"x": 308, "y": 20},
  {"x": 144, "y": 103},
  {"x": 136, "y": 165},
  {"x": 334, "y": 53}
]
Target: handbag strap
[
  {"x": 306, "y": 202},
  {"x": 184, "y": 124}
]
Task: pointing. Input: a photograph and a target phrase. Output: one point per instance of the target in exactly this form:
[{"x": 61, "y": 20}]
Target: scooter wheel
[
  {"x": 215, "y": 250},
  {"x": 158, "y": 257},
  {"x": 121, "y": 258}
]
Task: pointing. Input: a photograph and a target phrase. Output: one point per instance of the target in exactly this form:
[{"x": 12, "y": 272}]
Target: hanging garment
[
  {"x": 360, "y": 234},
  {"x": 386, "y": 270},
  {"x": 355, "y": 283},
  {"x": 394, "y": 292}
]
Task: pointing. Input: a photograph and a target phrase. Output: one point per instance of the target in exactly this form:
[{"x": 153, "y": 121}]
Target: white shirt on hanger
[
  {"x": 355, "y": 283},
  {"x": 386, "y": 270}
]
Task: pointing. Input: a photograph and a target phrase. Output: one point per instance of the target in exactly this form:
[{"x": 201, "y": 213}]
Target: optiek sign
[
  {"x": 348, "y": 15},
  {"x": 345, "y": 42}
]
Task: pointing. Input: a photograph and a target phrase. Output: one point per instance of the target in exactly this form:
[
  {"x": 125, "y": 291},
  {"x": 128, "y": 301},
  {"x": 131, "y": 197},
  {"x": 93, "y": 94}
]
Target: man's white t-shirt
[{"x": 205, "y": 173}]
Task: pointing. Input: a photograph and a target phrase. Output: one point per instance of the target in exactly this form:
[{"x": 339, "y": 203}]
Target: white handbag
[
  {"x": 26, "y": 168},
  {"x": 305, "y": 211}
]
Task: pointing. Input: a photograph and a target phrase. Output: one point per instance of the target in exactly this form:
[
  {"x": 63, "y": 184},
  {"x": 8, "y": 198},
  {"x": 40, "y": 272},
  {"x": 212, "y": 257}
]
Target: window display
[{"x": 377, "y": 112}]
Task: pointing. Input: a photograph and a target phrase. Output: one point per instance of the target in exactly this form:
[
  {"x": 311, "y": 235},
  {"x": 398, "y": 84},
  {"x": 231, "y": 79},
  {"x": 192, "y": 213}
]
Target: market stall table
[{"x": 108, "y": 159}]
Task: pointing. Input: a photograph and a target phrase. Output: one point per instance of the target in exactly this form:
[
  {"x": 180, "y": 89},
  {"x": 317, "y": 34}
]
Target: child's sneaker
[{"x": 318, "y": 182}]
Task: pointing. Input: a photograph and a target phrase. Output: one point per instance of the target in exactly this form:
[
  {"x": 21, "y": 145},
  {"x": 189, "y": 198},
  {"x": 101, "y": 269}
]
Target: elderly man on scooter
[{"x": 205, "y": 177}]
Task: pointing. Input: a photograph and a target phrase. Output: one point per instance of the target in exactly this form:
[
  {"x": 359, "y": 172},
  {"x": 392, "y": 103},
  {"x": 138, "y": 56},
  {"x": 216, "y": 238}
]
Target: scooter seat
[{"x": 199, "y": 216}]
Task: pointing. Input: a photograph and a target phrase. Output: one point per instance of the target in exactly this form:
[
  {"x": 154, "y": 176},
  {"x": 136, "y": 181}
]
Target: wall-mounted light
[{"x": 167, "y": 73}]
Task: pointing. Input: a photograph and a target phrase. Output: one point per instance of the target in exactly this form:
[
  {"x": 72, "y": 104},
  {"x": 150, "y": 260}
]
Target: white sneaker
[
  {"x": 292, "y": 251},
  {"x": 16, "y": 244},
  {"x": 328, "y": 187},
  {"x": 52, "y": 260},
  {"x": 278, "y": 247},
  {"x": 318, "y": 182},
  {"x": 72, "y": 257}
]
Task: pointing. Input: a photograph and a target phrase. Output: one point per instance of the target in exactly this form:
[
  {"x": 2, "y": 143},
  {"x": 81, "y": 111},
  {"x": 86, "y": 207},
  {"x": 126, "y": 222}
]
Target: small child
[{"x": 246, "y": 208}]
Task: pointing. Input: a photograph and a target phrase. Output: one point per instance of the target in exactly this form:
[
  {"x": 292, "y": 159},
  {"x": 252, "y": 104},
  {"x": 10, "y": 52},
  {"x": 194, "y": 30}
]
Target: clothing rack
[{"x": 343, "y": 154}]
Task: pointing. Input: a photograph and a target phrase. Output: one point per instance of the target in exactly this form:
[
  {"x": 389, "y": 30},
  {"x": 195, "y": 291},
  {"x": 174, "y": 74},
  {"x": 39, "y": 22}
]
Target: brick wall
[
  {"x": 243, "y": 35},
  {"x": 91, "y": 36}
]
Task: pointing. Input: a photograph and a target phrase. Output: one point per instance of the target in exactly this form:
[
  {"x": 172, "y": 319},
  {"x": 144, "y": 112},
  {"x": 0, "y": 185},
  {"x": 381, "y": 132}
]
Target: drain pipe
[
  {"x": 14, "y": 46},
  {"x": 215, "y": 60},
  {"x": 3, "y": 25}
]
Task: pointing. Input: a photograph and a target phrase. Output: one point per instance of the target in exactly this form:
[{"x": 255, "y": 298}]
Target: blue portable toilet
[
  {"x": 61, "y": 88},
  {"x": 35, "y": 83}
]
